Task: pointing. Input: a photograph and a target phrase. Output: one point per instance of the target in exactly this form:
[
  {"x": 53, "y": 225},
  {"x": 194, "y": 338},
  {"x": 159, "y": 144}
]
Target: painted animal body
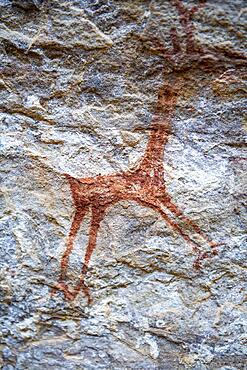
[{"x": 145, "y": 184}]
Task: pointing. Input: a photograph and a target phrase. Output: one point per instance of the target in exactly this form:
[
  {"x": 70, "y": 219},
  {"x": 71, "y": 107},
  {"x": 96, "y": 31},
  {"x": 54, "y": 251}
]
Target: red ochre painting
[{"x": 145, "y": 184}]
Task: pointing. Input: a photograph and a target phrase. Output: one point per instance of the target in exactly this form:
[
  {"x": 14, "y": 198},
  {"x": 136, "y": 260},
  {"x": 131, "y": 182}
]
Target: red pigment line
[
  {"x": 78, "y": 217},
  {"x": 97, "y": 216},
  {"x": 175, "y": 40},
  {"x": 171, "y": 223},
  {"x": 175, "y": 210},
  {"x": 185, "y": 18}
]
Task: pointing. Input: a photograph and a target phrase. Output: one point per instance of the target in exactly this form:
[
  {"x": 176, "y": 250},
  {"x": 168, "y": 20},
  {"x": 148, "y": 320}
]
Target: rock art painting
[
  {"x": 123, "y": 184},
  {"x": 144, "y": 184}
]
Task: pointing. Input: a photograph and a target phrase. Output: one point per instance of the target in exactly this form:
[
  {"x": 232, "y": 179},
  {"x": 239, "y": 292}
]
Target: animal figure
[{"x": 145, "y": 184}]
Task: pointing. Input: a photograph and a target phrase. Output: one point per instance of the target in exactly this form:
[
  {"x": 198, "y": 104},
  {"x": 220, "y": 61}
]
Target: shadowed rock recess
[{"x": 123, "y": 183}]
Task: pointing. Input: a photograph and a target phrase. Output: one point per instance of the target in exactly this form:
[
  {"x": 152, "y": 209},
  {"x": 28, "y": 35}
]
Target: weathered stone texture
[{"x": 79, "y": 85}]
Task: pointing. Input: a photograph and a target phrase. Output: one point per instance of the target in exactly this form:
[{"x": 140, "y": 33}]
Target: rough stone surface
[{"x": 79, "y": 83}]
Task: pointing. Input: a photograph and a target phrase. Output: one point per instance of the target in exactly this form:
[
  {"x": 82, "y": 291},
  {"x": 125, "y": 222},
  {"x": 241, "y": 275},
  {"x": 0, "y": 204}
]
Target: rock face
[{"x": 123, "y": 182}]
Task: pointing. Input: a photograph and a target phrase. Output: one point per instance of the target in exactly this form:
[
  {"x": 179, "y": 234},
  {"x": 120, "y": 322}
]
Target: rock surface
[{"x": 79, "y": 86}]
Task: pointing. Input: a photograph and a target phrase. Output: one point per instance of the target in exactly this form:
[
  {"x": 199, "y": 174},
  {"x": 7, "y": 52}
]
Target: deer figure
[{"x": 145, "y": 183}]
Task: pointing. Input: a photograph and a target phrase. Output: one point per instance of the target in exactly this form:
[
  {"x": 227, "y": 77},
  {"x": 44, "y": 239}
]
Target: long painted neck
[{"x": 159, "y": 130}]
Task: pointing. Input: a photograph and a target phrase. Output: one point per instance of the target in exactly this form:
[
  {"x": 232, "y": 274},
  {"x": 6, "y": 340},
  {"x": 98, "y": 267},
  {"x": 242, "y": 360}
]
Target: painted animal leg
[
  {"x": 177, "y": 212},
  {"x": 75, "y": 226},
  {"x": 158, "y": 208},
  {"x": 97, "y": 216}
]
